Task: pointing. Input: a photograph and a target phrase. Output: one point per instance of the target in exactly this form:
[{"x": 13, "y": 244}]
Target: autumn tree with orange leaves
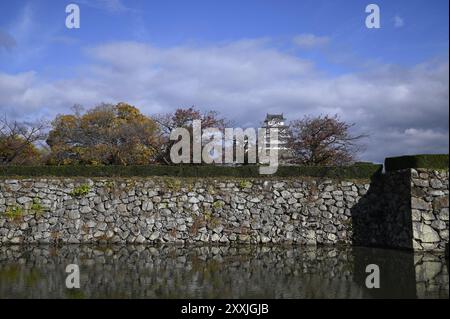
[{"x": 105, "y": 135}]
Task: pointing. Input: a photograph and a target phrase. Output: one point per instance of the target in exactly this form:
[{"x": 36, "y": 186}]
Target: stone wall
[
  {"x": 184, "y": 211},
  {"x": 380, "y": 212},
  {"x": 429, "y": 204},
  {"x": 404, "y": 209},
  {"x": 383, "y": 216}
]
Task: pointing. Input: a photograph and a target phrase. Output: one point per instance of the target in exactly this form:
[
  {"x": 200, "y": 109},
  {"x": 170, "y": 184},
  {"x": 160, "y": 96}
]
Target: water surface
[{"x": 219, "y": 272}]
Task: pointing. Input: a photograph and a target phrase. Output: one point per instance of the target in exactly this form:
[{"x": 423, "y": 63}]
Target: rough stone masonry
[{"x": 403, "y": 209}]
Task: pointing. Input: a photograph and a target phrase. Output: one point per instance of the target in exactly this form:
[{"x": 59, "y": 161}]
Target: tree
[
  {"x": 323, "y": 140},
  {"x": 17, "y": 142},
  {"x": 105, "y": 135},
  {"x": 183, "y": 118}
]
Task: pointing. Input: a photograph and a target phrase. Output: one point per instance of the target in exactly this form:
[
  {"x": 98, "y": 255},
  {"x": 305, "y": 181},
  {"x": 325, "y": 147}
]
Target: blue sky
[
  {"x": 424, "y": 32},
  {"x": 243, "y": 58}
]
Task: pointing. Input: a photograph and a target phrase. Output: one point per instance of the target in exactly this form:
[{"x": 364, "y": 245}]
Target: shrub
[
  {"x": 361, "y": 170},
  {"x": 432, "y": 161}
]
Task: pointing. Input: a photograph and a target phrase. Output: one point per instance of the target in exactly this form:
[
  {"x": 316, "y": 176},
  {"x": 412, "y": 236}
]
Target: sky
[{"x": 243, "y": 58}]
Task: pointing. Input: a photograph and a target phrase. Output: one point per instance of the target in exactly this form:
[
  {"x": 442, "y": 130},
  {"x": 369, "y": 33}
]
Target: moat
[{"x": 247, "y": 271}]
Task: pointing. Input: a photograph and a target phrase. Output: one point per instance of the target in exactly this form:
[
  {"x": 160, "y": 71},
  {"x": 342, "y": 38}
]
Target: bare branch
[{"x": 323, "y": 140}]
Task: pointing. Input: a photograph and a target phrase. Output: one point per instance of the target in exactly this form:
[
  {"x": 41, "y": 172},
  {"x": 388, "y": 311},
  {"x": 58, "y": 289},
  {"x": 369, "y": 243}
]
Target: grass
[
  {"x": 37, "y": 208},
  {"x": 173, "y": 184},
  {"x": 244, "y": 184},
  {"x": 14, "y": 213},
  {"x": 218, "y": 204},
  {"x": 81, "y": 190}
]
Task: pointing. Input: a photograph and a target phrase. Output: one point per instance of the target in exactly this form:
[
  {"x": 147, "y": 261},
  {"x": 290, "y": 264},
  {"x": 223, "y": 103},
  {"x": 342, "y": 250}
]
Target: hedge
[
  {"x": 433, "y": 161},
  {"x": 355, "y": 171}
]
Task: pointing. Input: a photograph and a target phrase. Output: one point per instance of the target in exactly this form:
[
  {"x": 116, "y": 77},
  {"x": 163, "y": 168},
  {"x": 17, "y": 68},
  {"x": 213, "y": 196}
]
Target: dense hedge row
[
  {"x": 359, "y": 170},
  {"x": 363, "y": 170},
  {"x": 436, "y": 161}
]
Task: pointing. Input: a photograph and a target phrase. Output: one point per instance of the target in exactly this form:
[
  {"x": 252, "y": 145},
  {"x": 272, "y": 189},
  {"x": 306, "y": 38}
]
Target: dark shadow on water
[
  {"x": 397, "y": 272},
  {"x": 219, "y": 272}
]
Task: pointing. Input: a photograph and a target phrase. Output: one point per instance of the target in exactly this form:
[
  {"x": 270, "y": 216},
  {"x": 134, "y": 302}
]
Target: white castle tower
[{"x": 276, "y": 121}]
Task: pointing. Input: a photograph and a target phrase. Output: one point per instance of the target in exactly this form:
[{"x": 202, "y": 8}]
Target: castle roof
[{"x": 274, "y": 117}]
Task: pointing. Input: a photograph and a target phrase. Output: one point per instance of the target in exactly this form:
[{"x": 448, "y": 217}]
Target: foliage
[
  {"x": 183, "y": 118},
  {"x": 432, "y": 161},
  {"x": 353, "y": 171},
  {"x": 245, "y": 184},
  {"x": 173, "y": 184},
  {"x": 17, "y": 142},
  {"x": 81, "y": 190},
  {"x": 121, "y": 135},
  {"x": 323, "y": 140},
  {"x": 14, "y": 213},
  {"x": 110, "y": 185},
  {"x": 37, "y": 207},
  {"x": 218, "y": 204},
  {"x": 107, "y": 134}
]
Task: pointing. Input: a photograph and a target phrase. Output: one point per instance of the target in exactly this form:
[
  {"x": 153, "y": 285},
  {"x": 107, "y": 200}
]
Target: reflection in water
[{"x": 219, "y": 272}]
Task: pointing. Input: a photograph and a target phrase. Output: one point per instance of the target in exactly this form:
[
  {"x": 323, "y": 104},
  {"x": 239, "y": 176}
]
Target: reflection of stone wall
[
  {"x": 431, "y": 274},
  {"x": 387, "y": 211},
  {"x": 177, "y": 272},
  {"x": 215, "y": 272}
]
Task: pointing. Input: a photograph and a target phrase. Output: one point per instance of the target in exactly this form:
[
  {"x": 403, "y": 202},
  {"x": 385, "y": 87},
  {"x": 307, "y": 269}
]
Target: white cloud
[
  {"x": 398, "y": 21},
  {"x": 309, "y": 41},
  {"x": 405, "y": 110}
]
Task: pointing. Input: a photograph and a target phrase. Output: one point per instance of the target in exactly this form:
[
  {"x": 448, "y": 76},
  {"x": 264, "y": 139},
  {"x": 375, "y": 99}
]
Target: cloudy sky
[{"x": 244, "y": 58}]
